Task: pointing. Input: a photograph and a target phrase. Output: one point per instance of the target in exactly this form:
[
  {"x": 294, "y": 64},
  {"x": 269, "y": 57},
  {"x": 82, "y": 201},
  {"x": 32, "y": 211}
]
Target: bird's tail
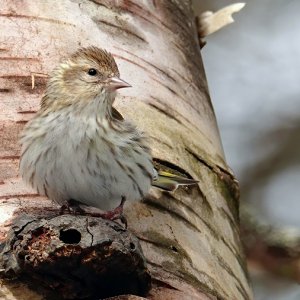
[{"x": 170, "y": 182}]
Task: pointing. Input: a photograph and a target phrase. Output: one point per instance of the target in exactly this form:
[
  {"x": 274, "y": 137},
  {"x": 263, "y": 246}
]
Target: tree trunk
[{"x": 190, "y": 238}]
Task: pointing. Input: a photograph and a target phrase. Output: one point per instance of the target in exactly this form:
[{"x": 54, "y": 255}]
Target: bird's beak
[{"x": 117, "y": 83}]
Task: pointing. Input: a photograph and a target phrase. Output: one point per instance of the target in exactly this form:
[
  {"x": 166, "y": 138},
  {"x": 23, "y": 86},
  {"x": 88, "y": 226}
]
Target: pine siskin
[{"x": 78, "y": 147}]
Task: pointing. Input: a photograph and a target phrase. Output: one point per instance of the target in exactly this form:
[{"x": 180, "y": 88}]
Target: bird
[{"x": 79, "y": 151}]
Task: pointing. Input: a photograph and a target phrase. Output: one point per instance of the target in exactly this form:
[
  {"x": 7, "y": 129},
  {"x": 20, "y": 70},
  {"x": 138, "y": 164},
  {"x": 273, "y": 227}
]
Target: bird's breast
[{"x": 88, "y": 160}]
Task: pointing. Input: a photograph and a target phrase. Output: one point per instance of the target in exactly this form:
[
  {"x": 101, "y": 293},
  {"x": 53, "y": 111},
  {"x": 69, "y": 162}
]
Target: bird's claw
[
  {"x": 121, "y": 218},
  {"x": 117, "y": 213},
  {"x": 75, "y": 207}
]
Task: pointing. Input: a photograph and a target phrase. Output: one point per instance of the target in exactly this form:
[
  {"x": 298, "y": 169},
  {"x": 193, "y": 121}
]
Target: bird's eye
[{"x": 92, "y": 72}]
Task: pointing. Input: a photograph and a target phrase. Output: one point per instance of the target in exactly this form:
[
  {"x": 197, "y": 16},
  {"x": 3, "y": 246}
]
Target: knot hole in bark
[{"x": 70, "y": 236}]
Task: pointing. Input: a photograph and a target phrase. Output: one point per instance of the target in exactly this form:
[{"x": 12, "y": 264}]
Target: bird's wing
[{"x": 170, "y": 182}]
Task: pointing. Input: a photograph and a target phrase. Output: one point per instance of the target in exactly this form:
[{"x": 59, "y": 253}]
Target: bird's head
[{"x": 83, "y": 76}]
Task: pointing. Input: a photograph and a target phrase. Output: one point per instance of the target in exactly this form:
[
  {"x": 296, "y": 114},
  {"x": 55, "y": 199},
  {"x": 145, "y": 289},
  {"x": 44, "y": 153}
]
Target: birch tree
[{"x": 190, "y": 238}]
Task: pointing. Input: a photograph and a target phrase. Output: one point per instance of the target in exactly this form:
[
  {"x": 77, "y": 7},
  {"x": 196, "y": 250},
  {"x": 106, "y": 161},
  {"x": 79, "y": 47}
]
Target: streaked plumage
[{"x": 79, "y": 147}]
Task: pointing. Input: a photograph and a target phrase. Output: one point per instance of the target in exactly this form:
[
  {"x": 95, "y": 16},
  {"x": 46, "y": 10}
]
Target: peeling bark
[{"x": 190, "y": 238}]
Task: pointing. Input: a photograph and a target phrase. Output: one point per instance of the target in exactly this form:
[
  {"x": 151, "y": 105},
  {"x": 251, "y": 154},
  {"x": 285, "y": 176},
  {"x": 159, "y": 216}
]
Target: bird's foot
[
  {"x": 75, "y": 207},
  {"x": 63, "y": 209},
  {"x": 117, "y": 213},
  {"x": 112, "y": 215},
  {"x": 72, "y": 207}
]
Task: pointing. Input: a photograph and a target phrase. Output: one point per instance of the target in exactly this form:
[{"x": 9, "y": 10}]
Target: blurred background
[{"x": 252, "y": 68}]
